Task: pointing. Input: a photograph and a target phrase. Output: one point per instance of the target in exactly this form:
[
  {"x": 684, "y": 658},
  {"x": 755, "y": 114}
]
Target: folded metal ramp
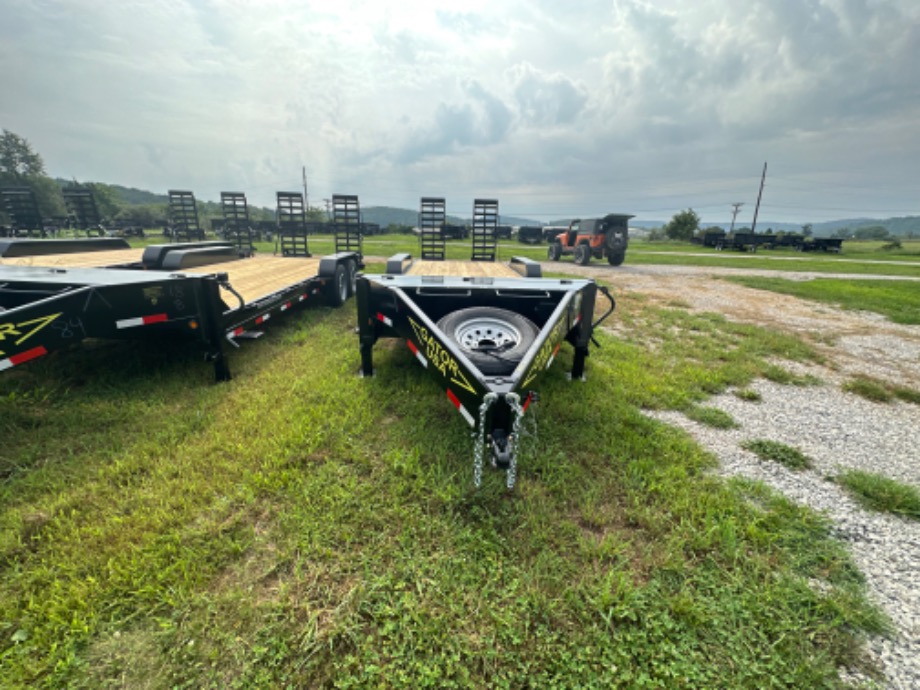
[{"x": 431, "y": 219}]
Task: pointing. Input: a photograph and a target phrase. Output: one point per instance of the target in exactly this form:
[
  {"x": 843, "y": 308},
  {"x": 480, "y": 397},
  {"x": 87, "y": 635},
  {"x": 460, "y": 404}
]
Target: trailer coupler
[
  {"x": 502, "y": 446},
  {"x": 501, "y": 449}
]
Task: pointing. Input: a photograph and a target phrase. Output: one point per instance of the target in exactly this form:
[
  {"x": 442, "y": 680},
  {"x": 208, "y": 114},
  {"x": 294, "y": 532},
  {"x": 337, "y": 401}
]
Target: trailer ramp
[
  {"x": 21, "y": 206},
  {"x": 485, "y": 229},
  {"x": 237, "y": 227},
  {"x": 292, "y": 225},
  {"x": 83, "y": 213},
  {"x": 183, "y": 217},
  {"x": 346, "y": 219},
  {"x": 431, "y": 219}
]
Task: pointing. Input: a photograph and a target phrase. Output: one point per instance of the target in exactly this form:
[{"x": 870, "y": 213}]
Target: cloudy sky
[{"x": 555, "y": 107}]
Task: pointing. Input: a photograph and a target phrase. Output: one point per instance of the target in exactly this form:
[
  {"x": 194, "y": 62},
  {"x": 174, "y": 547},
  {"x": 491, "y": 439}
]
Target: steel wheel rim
[{"x": 485, "y": 333}]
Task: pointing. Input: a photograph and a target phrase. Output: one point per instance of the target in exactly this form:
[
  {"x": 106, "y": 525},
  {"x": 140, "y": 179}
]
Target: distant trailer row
[
  {"x": 83, "y": 219},
  {"x": 751, "y": 241}
]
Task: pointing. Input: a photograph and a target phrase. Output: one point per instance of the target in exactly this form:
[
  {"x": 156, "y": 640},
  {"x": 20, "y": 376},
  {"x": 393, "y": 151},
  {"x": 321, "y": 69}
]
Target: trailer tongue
[{"x": 485, "y": 331}]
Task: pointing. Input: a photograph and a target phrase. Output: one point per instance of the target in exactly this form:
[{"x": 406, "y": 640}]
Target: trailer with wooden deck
[
  {"x": 56, "y": 293},
  {"x": 484, "y": 330}
]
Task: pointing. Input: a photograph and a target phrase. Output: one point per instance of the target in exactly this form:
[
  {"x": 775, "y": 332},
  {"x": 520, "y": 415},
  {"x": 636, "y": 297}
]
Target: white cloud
[{"x": 561, "y": 107}]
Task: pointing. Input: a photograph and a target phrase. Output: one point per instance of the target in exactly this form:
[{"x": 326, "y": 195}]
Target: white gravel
[{"x": 838, "y": 431}]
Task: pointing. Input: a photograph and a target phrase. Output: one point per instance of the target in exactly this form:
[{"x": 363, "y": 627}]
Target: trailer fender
[
  {"x": 398, "y": 264},
  {"x": 328, "y": 264},
  {"x": 526, "y": 267}
]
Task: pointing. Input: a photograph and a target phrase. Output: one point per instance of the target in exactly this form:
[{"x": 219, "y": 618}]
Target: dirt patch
[{"x": 857, "y": 343}]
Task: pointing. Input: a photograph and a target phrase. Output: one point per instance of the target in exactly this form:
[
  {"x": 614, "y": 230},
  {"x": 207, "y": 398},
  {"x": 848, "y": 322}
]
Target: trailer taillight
[{"x": 193, "y": 324}]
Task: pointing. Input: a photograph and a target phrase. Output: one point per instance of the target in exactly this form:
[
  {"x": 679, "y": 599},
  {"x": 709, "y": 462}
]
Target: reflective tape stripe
[
  {"x": 418, "y": 355},
  {"x": 553, "y": 356},
  {"x": 22, "y": 357},
  {"x": 456, "y": 402},
  {"x": 262, "y": 319},
  {"x": 386, "y": 320},
  {"x": 285, "y": 306},
  {"x": 141, "y": 321}
]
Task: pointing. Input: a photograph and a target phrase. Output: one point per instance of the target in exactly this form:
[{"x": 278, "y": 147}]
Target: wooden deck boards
[
  {"x": 259, "y": 276},
  {"x": 111, "y": 257},
  {"x": 253, "y": 278},
  {"x": 462, "y": 269}
]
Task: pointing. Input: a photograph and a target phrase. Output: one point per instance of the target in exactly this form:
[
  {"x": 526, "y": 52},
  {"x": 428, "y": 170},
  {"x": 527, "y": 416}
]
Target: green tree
[
  {"x": 17, "y": 159},
  {"x": 143, "y": 215},
  {"x": 21, "y": 166},
  {"x": 683, "y": 226},
  {"x": 807, "y": 229}
]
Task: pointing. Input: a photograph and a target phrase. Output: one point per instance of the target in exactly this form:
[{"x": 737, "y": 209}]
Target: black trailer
[
  {"x": 823, "y": 244},
  {"x": 55, "y": 293},
  {"x": 740, "y": 240},
  {"x": 484, "y": 330},
  {"x": 530, "y": 234}
]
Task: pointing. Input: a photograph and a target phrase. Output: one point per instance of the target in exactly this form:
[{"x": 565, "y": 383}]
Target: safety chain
[{"x": 479, "y": 440}]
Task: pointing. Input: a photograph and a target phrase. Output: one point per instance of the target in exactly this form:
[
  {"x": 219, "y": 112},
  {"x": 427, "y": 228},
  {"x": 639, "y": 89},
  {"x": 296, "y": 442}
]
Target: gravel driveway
[{"x": 837, "y": 430}]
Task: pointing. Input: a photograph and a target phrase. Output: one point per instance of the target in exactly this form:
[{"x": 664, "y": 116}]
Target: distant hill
[{"x": 385, "y": 215}]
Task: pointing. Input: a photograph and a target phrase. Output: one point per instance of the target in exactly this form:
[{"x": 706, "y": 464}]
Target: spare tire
[{"x": 495, "y": 340}]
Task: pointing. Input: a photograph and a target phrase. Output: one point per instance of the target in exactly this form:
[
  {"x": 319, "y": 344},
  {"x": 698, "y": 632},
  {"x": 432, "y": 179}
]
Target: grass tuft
[
  {"x": 869, "y": 389},
  {"x": 908, "y": 395},
  {"x": 791, "y": 457},
  {"x": 711, "y": 416},
  {"x": 880, "y": 391},
  {"x": 748, "y": 395},
  {"x": 784, "y": 377},
  {"x": 882, "y": 494}
]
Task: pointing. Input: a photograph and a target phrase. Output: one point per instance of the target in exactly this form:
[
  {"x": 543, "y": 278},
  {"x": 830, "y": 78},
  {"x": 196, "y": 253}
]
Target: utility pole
[
  {"x": 306, "y": 200},
  {"x": 759, "y": 194},
  {"x": 328, "y": 209},
  {"x": 737, "y": 205}
]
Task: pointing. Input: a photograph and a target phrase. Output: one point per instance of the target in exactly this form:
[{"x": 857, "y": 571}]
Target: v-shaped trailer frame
[{"x": 394, "y": 305}]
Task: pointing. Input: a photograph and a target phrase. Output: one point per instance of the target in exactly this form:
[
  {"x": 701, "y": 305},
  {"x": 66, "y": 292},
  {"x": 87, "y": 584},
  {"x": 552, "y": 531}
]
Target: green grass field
[
  {"x": 300, "y": 526},
  {"x": 899, "y": 300}
]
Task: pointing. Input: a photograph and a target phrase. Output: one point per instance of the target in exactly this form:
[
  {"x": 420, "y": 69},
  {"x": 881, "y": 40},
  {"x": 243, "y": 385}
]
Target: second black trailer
[{"x": 485, "y": 331}]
